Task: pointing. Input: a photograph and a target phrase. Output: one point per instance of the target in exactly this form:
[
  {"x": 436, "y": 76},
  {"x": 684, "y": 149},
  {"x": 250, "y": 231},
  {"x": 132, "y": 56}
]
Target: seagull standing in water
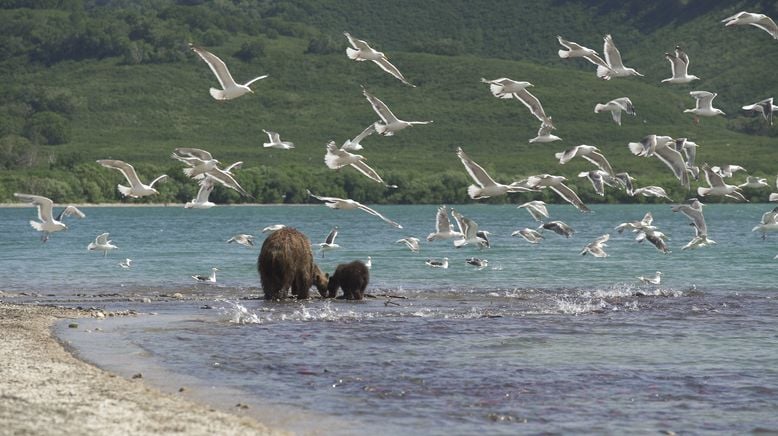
[
  {"x": 137, "y": 188},
  {"x": 210, "y": 278},
  {"x": 615, "y": 64},
  {"x": 616, "y": 107},
  {"x": 360, "y": 51},
  {"x": 230, "y": 89},
  {"x": 679, "y": 63},
  {"x": 437, "y": 263},
  {"x": 443, "y": 228},
  {"x": 48, "y": 224},
  {"x": 242, "y": 239},
  {"x": 276, "y": 142},
  {"x": 760, "y": 21},
  {"x": 389, "y": 123},
  {"x": 102, "y": 243},
  {"x": 347, "y": 204},
  {"x": 486, "y": 186}
]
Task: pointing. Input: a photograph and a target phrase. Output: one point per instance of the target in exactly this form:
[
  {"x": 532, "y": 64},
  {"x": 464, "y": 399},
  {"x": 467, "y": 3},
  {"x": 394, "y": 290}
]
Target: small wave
[{"x": 236, "y": 313}]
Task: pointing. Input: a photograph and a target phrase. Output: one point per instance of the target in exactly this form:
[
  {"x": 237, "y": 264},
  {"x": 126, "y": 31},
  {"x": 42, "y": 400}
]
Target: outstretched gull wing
[
  {"x": 533, "y": 104},
  {"x": 194, "y": 152},
  {"x": 218, "y": 66},
  {"x": 475, "y": 171},
  {"x": 126, "y": 169},
  {"x": 380, "y": 108},
  {"x": 387, "y": 66},
  {"x": 569, "y": 195},
  {"x": 45, "y": 205},
  {"x": 370, "y": 173},
  {"x": 373, "y": 212}
]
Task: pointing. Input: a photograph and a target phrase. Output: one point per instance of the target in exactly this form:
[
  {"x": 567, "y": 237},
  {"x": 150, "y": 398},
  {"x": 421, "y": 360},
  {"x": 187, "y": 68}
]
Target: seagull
[
  {"x": 356, "y": 143},
  {"x": 443, "y": 228},
  {"x": 717, "y": 186},
  {"x": 230, "y": 89},
  {"x": 727, "y": 170},
  {"x": 470, "y": 233},
  {"x": 651, "y": 191},
  {"x": 616, "y": 107},
  {"x": 626, "y": 181},
  {"x": 201, "y": 200},
  {"x": 544, "y": 134},
  {"x": 347, "y": 203},
  {"x": 337, "y": 158},
  {"x": 137, "y": 188},
  {"x": 410, "y": 242},
  {"x": 652, "y": 280},
  {"x": 556, "y": 185},
  {"x": 595, "y": 248},
  {"x": 599, "y": 179},
  {"x": 558, "y": 227},
  {"x": 764, "y": 107},
  {"x": 487, "y": 187},
  {"x": 704, "y": 104},
  {"x": 476, "y": 262},
  {"x": 389, "y": 123},
  {"x": 769, "y": 223},
  {"x": 329, "y": 241},
  {"x": 693, "y": 211},
  {"x": 698, "y": 241},
  {"x": 225, "y": 178},
  {"x": 615, "y": 64},
  {"x": 536, "y": 208},
  {"x": 101, "y": 243},
  {"x": 689, "y": 150},
  {"x": 578, "y": 51},
  {"x": 529, "y": 235},
  {"x": 761, "y": 21},
  {"x": 588, "y": 152},
  {"x": 437, "y": 263},
  {"x": 126, "y": 263},
  {"x": 199, "y": 161},
  {"x": 636, "y": 226},
  {"x": 276, "y": 142},
  {"x": 660, "y": 146},
  {"x": 655, "y": 237},
  {"x": 361, "y": 51},
  {"x": 754, "y": 183},
  {"x": 506, "y": 88},
  {"x": 48, "y": 224},
  {"x": 679, "y": 63},
  {"x": 211, "y": 278},
  {"x": 273, "y": 228},
  {"x": 369, "y": 263},
  {"x": 242, "y": 239}
]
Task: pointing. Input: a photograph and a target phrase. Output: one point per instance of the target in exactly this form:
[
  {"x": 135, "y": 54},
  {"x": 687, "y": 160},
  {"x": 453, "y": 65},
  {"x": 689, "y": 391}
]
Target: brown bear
[
  {"x": 286, "y": 262},
  {"x": 352, "y": 278}
]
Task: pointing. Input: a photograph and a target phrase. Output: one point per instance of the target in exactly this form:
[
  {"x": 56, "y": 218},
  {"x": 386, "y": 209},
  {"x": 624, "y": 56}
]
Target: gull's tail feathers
[
  {"x": 353, "y": 54},
  {"x": 36, "y": 225},
  {"x": 474, "y": 192},
  {"x": 125, "y": 190},
  {"x": 217, "y": 94}
]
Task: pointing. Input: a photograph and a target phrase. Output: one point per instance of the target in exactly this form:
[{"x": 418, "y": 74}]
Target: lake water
[{"x": 543, "y": 340}]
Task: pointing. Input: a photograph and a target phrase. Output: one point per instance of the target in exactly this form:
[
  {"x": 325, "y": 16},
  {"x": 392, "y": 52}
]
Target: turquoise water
[{"x": 542, "y": 340}]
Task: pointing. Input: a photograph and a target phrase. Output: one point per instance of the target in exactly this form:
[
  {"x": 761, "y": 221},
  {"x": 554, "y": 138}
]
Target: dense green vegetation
[{"x": 115, "y": 79}]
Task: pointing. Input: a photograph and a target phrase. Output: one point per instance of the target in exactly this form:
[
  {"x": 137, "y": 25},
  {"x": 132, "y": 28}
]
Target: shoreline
[{"x": 44, "y": 388}]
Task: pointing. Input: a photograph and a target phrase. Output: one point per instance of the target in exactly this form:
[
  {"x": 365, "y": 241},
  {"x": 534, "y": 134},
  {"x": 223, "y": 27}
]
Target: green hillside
[{"x": 117, "y": 80}]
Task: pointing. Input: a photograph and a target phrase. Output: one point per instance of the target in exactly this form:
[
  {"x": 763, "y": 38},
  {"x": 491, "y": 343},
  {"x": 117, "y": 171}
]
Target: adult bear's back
[{"x": 286, "y": 262}]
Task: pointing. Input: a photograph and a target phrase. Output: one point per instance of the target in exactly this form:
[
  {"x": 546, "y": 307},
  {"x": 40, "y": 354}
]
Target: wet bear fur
[
  {"x": 352, "y": 278},
  {"x": 286, "y": 264}
]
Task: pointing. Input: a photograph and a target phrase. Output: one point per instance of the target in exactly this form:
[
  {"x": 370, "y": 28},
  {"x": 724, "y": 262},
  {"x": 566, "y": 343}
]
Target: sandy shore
[{"x": 45, "y": 390}]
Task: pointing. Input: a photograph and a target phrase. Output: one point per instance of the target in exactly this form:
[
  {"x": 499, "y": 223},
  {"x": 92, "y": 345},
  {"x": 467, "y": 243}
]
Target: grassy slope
[{"x": 140, "y": 113}]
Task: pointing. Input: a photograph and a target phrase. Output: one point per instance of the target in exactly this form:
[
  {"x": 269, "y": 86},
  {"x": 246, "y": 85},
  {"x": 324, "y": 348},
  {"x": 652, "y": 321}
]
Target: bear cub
[{"x": 352, "y": 278}]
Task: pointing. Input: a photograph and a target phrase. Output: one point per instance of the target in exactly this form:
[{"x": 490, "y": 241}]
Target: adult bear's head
[{"x": 320, "y": 280}]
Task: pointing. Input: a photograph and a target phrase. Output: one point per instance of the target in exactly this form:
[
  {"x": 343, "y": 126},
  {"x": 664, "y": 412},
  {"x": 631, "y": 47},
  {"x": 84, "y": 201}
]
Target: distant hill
[{"x": 115, "y": 79}]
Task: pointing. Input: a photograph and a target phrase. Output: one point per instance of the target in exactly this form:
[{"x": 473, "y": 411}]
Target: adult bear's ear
[{"x": 327, "y": 275}]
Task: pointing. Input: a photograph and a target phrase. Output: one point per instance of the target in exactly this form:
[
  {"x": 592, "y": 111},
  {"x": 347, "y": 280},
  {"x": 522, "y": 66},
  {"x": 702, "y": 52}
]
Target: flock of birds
[{"x": 679, "y": 154}]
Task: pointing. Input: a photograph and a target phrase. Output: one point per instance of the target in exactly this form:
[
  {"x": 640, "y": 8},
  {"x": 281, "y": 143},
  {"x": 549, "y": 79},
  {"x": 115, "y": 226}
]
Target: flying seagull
[
  {"x": 337, "y": 158},
  {"x": 556, "y": 184},
  {"x": 530, "y": 235},
  {"x": 578, "y": 51},
  {"x": 347, "y": 203},
  {"x": 356, "y": 143},
  {"x": 588, "y": 152},
  {"x": 361, "y": 51},
  {"x": 102, "y": 243},
  {"x": 754, "y": 182},
  {"x": 273, "y": 228},
  {"x": 469, "y": 230},
  {"x": 704, "y": 104},
  {"x": 717, "y": 186},
  {"x": 768, "y": 223},
  {"x": 663, "y": 147},
  {"x": 596, "y": 247},
  {"x": 198, "y": 160},
  {"x": 679, "y": 63},
  {"x": 443, "y": 228},
  {"x": 506, "y": 88},
  {"x": 201, "y": 201},
  {"x": 599, "y": 179},
  {"x": 242, "y": 239},
  {"x": 536, "y": 208},
  {"x": 545, "y": 135},
  {"x": 764, "y": 107},
  {"x": 616, "y": 66},
  {"x": 276, "y": 142},
  {"x": 410, "y": 242},
  {"x": 48, "y": 224},
  {"x": 616, "y": 107},
  {"x": 760, "y": 21},
  {"x": 485, "y": 185},
  {"x": 126, "y": 263},
  {"x": 137, "y": 188},
  {"x": 329, "y": 241},
  {"x": 230, "y": 89},
  {"x": 693, "y": 210},
  {"x": 655, "y": 280},
  {"x": 389, "y": 122},
  {"x": 559, "y": 227}
]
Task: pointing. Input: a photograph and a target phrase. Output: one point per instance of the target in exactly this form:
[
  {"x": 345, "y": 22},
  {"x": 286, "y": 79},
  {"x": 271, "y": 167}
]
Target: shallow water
[{"x": 543, "y": 340}]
